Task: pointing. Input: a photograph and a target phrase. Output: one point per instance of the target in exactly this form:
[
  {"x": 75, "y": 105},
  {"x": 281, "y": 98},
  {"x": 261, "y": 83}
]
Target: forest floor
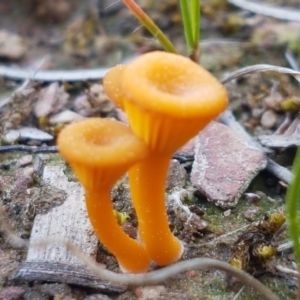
[{"x": 83, "y": 35}]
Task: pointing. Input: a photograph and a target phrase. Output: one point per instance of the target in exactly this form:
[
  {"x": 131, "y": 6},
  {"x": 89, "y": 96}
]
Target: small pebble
[
  {"x": 250, "y": 213},
  {"x": 268, "y": 119},
  {"x": 252, "y": 197},
  {"x": 25, "y": 161},
  {"x": 273, "y": 101},
  {"x": 227, "y": 213},
  {"x": 150, "y": 293},
  {"x": 66, "y": 116}
]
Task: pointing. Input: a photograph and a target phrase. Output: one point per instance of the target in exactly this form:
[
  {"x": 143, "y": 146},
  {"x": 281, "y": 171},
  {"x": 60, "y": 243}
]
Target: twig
[
  {"x": 163, "y": 274},
  {"x": 285, "y": 270},
  {"x": 239, "y": 293},
  {"x": 285, "y": 246},
  {"x": 280, "y": 172},
  {"x": 282, "y": 13},
  {"x": 258, "y": 69},
  {"x": 29, "y": 149},
  {"x": 290, "y": 57},
  {"x": 52, "y": 75}
]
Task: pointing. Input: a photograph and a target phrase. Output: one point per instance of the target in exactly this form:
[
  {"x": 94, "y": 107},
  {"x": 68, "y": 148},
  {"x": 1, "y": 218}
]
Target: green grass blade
[
  {"x": 292, "y": 205},
  {"x": 187, "y": 24},
  {"x": 195, "y": 20}
]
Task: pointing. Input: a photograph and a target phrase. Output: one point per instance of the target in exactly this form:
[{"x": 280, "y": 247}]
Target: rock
[
  {"x": 22, "y": 180},
  {"x": 188, "y": 148},
  {"x": 97, "y": 297},
  {"x": 82, "y": 106},
  {"x": 12, "y": 46},
  {"x": 66, "y": 116},
  {"x": 250, "y": 214},
  {"x": 227, "y": 213},
  {"x": 176, "y": 175},
  {"x": 274, "y": 100},
  {"x": 224, "y": 165},
  {"x": 25, "y": 161},
  {"x": 252, "y": 197},
  {"x": 27, "y": 133},
  {"x": 99, "y": 100},
  {"x": 12, "y": 293},
  {"x": 51, "y": 100},
  {"x": 150, "y": 293},
  {"x": 268, "y": 119}
]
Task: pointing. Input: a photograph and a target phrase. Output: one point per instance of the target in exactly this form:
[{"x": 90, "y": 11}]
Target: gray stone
[
  {"x": 268, "y": 119},
  {"x": 188, "y": 148},
  {"x": 224, "y": 165},
  {"x": 25, "y": 161},
  {"x": 27, "y": 133},
  {"x": 176, "y": 175},
  {"x": 151, "y": 292}
]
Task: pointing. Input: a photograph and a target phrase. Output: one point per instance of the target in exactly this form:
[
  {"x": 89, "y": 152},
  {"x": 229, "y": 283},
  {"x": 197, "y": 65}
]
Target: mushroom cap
[
  {"x": 174, "y": 86},
  {"x": 100, "y": 150},
  {"x": 112, "y": 84},
  {"x": 168, "y": 99}
]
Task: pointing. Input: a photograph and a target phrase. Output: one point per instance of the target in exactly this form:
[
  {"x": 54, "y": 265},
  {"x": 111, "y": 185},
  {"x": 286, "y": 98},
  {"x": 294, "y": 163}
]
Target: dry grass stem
[{"x": 163, "y": 274}]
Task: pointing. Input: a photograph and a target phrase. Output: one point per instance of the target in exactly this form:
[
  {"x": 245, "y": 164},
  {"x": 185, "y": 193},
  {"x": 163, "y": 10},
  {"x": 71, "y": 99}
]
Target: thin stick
[
  {"x": 53, "y": 75},
  {"x": 29, "y": 149},
  {"x": 282, "y": 13},
  {"x": 163, "y": 274},
  {"x": 286, "y": 270},
  {"x": 258, "y": 69}
]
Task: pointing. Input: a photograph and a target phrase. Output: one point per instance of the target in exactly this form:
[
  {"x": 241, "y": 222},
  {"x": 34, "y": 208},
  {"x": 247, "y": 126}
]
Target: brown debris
[
  {"x": 51, "y": 100},
  {"x": 12, "y": 293}
]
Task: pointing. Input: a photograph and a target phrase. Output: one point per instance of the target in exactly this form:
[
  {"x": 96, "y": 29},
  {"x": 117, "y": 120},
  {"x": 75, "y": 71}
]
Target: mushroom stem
[
  {"x": 100, "y": 151},
  {"x": 147, "y": 184},
  {"x": 131, "y": 254}
]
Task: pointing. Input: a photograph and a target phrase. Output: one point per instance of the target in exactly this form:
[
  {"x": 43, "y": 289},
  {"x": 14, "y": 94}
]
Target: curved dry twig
[
  {"x": 258, "y": 69},
  {"x": 282, "y": 13},
  {"x": 29, "y": 149},
  {"x": 163, "y": 274}
]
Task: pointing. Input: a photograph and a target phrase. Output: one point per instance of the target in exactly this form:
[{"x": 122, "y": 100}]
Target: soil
[{"x": 74, "y": 35}]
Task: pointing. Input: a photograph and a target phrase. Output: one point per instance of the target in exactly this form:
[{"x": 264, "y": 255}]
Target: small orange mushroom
[
  {"x": 168, "y": 99},
  {"x": 100, "y": 151}
]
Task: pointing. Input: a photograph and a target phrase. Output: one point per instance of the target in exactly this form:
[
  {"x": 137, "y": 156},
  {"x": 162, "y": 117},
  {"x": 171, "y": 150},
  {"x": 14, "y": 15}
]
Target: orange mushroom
[
  {"x": 100, "y": 151},
  {"x": 168, "y": 99}
]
